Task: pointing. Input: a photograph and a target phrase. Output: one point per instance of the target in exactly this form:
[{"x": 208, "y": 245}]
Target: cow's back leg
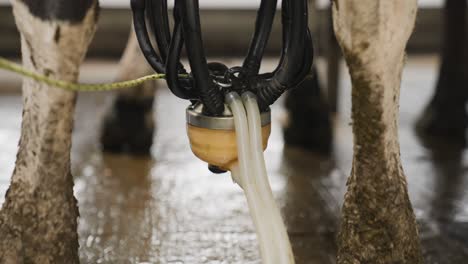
[
  {"x": 38, "y": 219},
  {"x": 378, "y": 225},
  {"x": 445, "y": 117},
  {"x": 308, "y": 124},
  {"x": 129, "y": 125}
]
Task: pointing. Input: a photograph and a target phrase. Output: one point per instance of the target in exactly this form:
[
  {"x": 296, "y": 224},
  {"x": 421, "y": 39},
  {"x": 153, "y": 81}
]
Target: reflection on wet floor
[{"x": 170, "y": 209}]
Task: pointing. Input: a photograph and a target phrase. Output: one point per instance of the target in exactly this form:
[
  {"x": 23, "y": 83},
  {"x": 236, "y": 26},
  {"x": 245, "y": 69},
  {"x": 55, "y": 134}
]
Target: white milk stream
[{"x": 250, "y": 173}]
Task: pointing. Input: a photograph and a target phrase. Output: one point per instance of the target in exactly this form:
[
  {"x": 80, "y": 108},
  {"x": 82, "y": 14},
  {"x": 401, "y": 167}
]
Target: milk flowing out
[{"x": 250, "y": 173}]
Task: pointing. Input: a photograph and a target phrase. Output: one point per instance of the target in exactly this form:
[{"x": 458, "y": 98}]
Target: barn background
[{"x": 227, "y": 28}]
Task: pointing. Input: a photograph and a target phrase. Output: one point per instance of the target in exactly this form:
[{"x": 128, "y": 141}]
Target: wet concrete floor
[{"x": 170, "y": 209}]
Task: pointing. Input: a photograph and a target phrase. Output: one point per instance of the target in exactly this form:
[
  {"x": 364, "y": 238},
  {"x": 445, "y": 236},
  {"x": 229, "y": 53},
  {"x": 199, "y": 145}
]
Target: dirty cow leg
[
  {"x": 38, "y": 220},
  {"x": 308, "y": 124},
  {"x": 445, "y": 117},
  {"x": 129, "y": 125},
  {"x": 378, "y": 224}
]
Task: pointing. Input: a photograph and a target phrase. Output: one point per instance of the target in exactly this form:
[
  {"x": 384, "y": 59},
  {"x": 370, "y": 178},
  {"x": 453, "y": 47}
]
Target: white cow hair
[{"x": 61, "y": 60}]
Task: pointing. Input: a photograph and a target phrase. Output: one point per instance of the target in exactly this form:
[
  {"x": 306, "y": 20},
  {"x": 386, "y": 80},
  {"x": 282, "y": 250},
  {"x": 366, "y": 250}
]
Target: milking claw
[{"x": 229, "y": 119}]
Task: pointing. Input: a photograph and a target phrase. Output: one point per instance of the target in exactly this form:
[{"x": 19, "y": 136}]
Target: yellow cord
[{"x": 77, "y": 87}]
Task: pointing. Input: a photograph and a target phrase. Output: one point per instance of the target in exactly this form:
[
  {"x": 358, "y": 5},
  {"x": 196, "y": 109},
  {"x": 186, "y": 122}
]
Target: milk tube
[{"x": 250, "y": 173}]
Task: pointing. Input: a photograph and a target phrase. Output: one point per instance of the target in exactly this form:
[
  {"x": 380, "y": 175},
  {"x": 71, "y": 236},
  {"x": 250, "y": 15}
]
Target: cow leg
[
  {"x": 129, "y": 125},
  {"x": 308, "y": 125},
  {"x": 445, "y": 116},
  {"x": 38, "y": 220},
  {"x": 378, "y": 224}
]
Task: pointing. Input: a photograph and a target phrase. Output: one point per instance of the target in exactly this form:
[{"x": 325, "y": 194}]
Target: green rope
[{"x": 77, "y": 87}]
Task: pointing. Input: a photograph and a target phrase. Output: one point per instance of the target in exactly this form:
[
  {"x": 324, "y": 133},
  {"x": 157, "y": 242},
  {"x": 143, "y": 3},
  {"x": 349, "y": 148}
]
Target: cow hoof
[
  {"x": 140, "y": 143},
  {"x": 309, "y": 126},
  {"x": 437, "y": 127},
  {"x": 315, "y": 136},
  {"x": 128, "y": 128}
]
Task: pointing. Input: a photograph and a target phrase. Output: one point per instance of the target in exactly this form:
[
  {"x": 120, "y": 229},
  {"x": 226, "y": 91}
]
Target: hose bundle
[{"x": 207, "y": 83}]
